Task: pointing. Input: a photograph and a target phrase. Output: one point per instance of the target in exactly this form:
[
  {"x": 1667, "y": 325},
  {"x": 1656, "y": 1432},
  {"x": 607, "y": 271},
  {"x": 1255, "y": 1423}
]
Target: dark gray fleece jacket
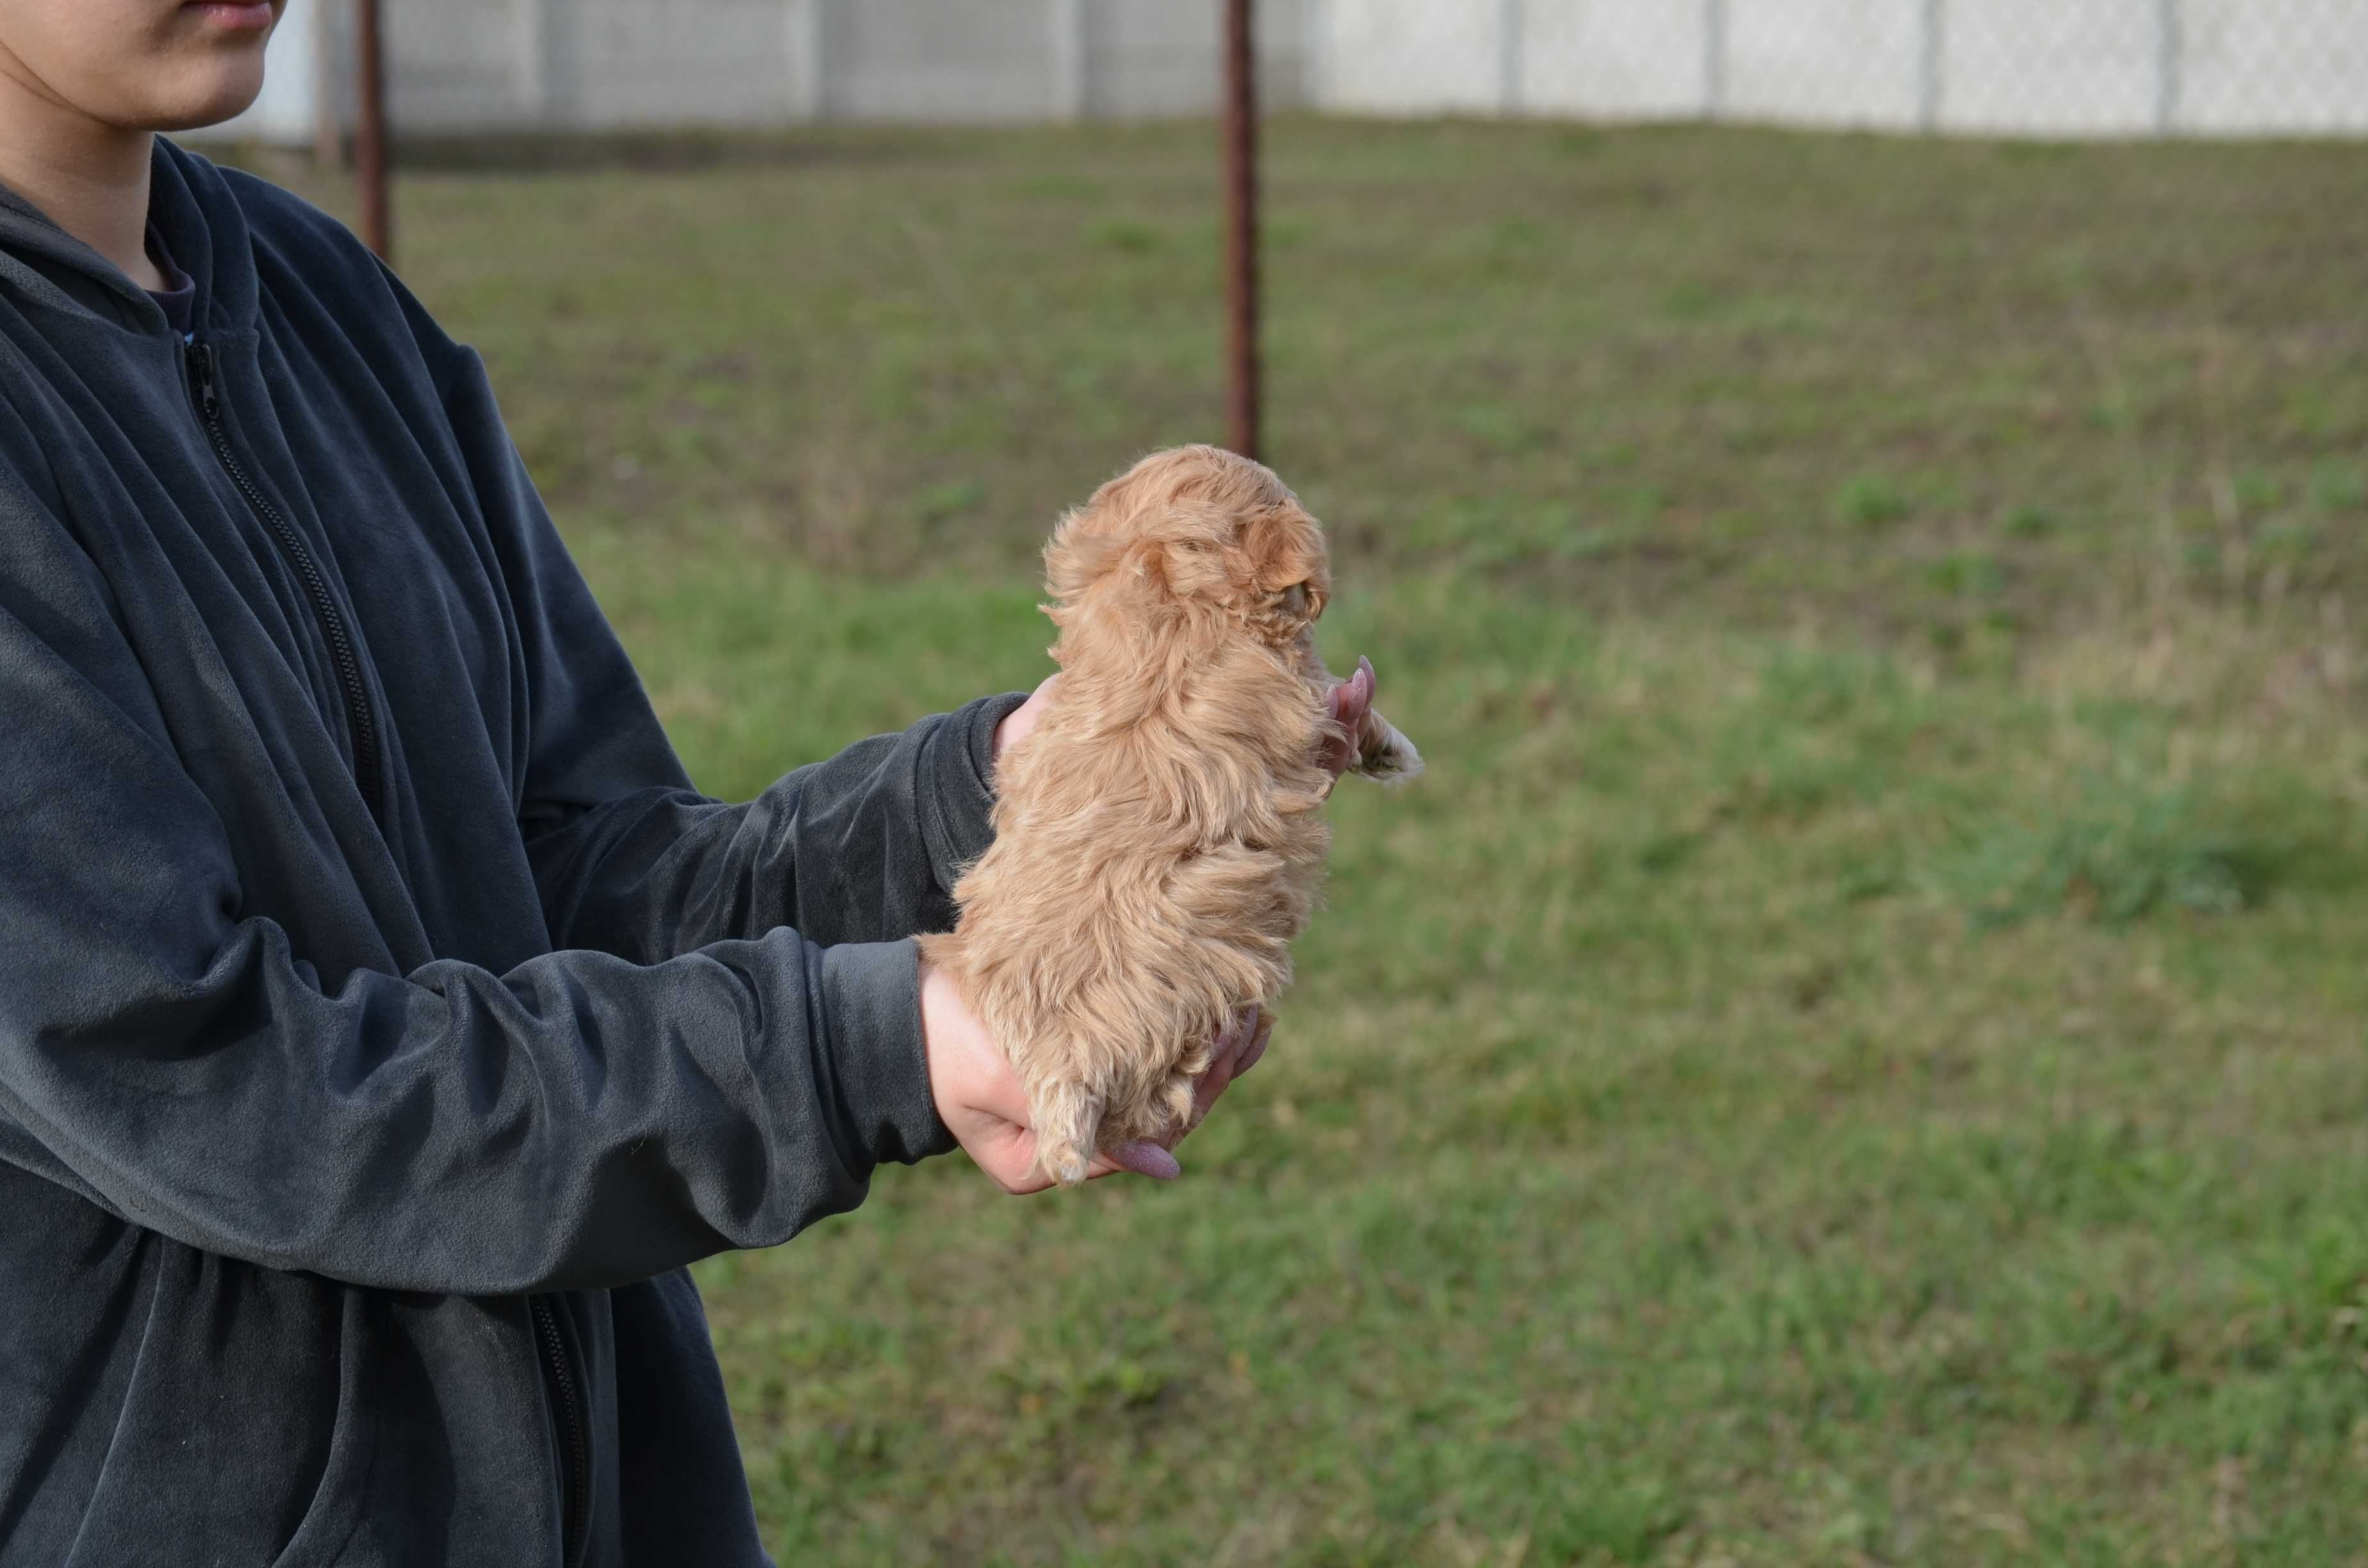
[{"x": 384, "y": 1020}]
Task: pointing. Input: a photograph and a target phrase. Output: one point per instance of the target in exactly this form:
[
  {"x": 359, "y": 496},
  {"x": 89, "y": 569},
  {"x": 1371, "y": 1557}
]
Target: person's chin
[{"x": 224, "y": 100}]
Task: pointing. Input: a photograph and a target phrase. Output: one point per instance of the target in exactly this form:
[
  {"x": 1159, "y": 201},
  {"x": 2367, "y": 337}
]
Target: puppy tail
[{"x": 1384, "y": 754}]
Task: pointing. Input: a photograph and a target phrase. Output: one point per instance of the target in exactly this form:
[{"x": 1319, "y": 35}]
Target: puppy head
[{"x": 1194, "y": 532}]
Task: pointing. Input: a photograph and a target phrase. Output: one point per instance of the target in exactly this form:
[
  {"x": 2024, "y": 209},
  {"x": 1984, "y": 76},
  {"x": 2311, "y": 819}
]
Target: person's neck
[{"x": 89, "y": 177}]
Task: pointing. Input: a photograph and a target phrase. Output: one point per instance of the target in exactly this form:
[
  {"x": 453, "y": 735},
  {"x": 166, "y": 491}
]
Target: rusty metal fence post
[
  {"x": 370, "y": 130},
  {"x": 328, "y": 121},
  {"x": 1241, "y": 231}
]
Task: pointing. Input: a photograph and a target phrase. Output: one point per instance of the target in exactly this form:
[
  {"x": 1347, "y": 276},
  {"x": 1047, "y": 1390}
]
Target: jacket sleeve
[
  {"x": 579, "y": 1121},
  {"x": 863, "y": 848}
]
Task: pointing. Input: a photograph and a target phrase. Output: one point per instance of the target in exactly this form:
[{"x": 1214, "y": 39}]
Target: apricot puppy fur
[{"x": 1160, "y": 837}]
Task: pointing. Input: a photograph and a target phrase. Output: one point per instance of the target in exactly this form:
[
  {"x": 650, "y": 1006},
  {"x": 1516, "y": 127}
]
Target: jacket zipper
[
  {"x": 575, "y": 1474},
  {"x": 575, "y": 1479},
  {"x": 360, "y": 722}
]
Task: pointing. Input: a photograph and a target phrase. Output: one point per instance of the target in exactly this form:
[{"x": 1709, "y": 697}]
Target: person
[{"x": 385, "y": 1023}]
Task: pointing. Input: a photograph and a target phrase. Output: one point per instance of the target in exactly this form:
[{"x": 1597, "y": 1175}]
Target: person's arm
[
  {"x": 580, "y": 1120},
  {"x": 863, "y": 848}
]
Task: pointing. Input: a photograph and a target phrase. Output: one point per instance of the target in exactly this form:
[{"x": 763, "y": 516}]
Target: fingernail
[
  {"x": 1147, "y": 1159},
  {"x": 1365, "y": 669}
]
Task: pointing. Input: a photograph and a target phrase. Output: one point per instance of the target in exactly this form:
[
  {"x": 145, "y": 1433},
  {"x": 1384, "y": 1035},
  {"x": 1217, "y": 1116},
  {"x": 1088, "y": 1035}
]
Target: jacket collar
[{"x": 193, "y": 207}]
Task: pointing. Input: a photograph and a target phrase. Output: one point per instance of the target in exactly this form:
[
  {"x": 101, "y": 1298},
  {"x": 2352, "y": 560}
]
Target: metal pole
[
  {"x": 369, "y": 132},
  {"x": 1072, "y": 59},
  {"x": 1929, "y": 64},
  {"x": 807, "y": 32},
  {"x": 328, "y": 118},
  {"x": 1315, "y": 54},
  {"x": 1241, "y": 231},
  {"x": 531, "y": 62},
  {"x": 2167, "y": 41}
]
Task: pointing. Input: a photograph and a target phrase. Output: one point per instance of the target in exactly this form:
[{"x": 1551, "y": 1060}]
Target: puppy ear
[
  {"x": 1282, "y": 560},
  {"x": 1274, "y": 554},
  {"x": 1068, "y": 1124},
  {"x": 1077, "y": 557}
]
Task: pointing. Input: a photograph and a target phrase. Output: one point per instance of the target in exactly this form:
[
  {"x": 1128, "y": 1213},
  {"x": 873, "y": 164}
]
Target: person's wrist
[
  {"x": 932, "y": 1032},
  {"x": 944, "y": 1018}
]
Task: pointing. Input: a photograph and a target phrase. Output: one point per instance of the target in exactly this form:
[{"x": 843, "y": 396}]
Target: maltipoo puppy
[{"x": 1160, "y": 837}]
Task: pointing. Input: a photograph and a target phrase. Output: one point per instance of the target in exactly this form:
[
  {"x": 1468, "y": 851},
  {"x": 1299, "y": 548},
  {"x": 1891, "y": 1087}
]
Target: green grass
[{"x": 1858, "y": 1051}]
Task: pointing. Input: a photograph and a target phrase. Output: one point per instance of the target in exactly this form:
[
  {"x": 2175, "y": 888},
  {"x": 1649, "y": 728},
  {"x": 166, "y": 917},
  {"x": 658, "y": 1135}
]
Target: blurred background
[{"x": 1858, "y": 1050}]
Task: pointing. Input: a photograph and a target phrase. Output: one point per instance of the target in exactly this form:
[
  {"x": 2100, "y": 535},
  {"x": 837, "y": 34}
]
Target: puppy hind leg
[
  {"x": 1068, "y": 1124},
  {"x": 1176, "y": 1104},
  {"x": 1179, "y": 1102}
]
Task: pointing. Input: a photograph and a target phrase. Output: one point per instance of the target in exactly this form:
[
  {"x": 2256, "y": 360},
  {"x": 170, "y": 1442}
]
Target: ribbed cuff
[
  {"x": 871, "y": 994},
  {"x": 958, "y": 785}
]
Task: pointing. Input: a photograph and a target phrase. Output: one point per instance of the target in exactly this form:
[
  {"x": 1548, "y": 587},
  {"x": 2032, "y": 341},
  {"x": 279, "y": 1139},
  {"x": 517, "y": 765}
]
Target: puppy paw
[
  {"x": 1384, "y": 754},
  {"x": 1068, "y": 1120}
]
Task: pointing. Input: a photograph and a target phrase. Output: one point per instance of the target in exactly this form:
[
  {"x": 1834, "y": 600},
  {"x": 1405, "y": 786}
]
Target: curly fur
[{"x": 1160, "y": 837}]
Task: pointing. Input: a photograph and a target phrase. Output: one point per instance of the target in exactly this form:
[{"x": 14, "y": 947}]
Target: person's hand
[
  {"x": 981, "y": 1104},
  {"x": 1351, "y": 699},
  {"x": 1020, "y": 722}
]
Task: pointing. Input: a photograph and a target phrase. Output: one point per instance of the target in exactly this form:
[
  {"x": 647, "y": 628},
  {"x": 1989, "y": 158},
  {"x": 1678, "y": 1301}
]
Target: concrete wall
[
  {"x": 1613, "y": 60},
  {"x": 599, "y": 64},
  {"x": 2016, "y": 67},
  {"x": 2245, "y": 68},
  {"x": 1993, "y": 67},
  {"x": 1788, "y": 63}
]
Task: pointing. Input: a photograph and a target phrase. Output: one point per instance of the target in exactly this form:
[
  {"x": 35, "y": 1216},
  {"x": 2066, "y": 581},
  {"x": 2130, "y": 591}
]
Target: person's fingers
[
  {"x": 1010, "y": 1158},
  {"x": 1353, "y": 697},
  {"x": 1013, "y": 1167},
  {"x": 1351, "y": 700},
  {"x": 1021, "y": 721},
  {"x": 1226, "y": 1048},
  {"x": 1014, "y": 1173},
  {"x": 1255, "y": 1049},
  {"x": 1212, "y": 1085},
  {"x": 1344, "y": 717},
  {"x": 1224, "y": 1063},
  {"x": 1006, "y": 1151},
  {"x": 1236, "y": 1036}
]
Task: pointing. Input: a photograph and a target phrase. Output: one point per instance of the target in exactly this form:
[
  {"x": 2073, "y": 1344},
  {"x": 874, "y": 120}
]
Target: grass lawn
[{"x": 1859, "y": 1049}]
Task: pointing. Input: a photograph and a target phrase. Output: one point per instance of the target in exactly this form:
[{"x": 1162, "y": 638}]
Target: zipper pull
[{"x": 201, "y": 376}]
